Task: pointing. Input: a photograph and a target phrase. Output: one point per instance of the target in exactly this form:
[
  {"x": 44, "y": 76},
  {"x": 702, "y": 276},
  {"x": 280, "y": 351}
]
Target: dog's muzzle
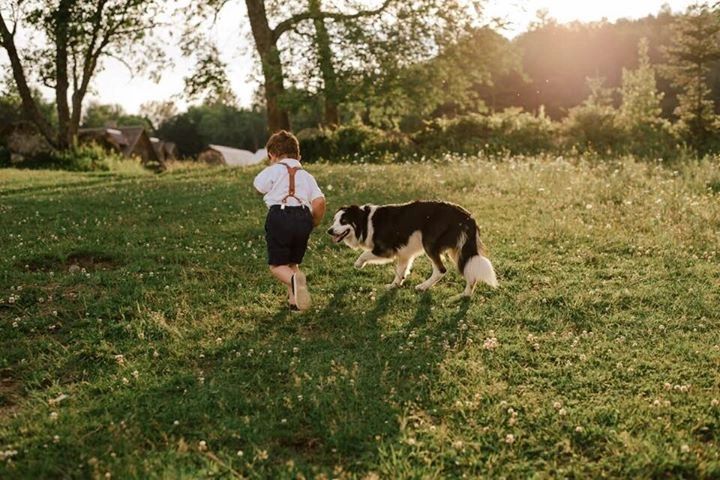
[{"x": 338, "y": 237}]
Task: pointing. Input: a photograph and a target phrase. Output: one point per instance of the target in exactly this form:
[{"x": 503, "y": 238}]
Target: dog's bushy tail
[{"x": 473, "y": 263}]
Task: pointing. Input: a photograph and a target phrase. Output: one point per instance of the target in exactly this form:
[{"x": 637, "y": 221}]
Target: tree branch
[{"x": 291, "y": 22}]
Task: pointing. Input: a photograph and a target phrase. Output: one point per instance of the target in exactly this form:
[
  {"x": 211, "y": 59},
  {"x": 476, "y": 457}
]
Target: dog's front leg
[
  {"x": 402, "y": 268},
  {"x": 370, "y": 257},
  {"x": 363, "y": 259}
]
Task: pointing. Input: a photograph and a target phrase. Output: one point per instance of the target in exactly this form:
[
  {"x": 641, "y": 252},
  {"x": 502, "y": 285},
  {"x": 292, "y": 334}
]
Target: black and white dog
[{"x": 402, "y": 232}]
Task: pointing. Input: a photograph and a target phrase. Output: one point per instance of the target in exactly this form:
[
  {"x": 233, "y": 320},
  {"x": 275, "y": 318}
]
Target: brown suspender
[{"x": 291, "y": 182}]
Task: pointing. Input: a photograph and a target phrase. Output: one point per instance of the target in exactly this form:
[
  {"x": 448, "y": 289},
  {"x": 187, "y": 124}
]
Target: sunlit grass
[{"x": 141, "y": 335}]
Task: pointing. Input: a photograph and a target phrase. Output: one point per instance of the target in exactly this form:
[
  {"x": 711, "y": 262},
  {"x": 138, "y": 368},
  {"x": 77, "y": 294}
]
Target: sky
[{"x": 115, "y": 84}]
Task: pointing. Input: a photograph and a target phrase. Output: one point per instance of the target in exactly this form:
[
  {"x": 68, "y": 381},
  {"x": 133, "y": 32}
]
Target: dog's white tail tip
[{"x": 480, "y": 269}]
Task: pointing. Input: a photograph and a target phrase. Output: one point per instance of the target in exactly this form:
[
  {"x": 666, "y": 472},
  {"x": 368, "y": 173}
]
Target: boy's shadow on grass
[{"x": 321, "y": 388}]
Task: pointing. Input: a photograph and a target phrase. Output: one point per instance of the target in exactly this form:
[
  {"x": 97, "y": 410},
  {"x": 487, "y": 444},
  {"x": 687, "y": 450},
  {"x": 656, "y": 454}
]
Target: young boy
[{"x": 296, "y": 206}]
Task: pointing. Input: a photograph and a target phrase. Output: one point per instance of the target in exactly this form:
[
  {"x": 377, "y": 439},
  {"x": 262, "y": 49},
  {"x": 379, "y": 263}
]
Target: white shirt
[{"x": 274, "y": 182}]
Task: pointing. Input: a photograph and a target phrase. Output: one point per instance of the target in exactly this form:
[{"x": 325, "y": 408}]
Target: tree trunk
[
  {"x": 62, "y": 20},
  {"x": 266, "y": 44},
  {"x": 327, "y": 69},
  {"x": 29, "y": 106}
]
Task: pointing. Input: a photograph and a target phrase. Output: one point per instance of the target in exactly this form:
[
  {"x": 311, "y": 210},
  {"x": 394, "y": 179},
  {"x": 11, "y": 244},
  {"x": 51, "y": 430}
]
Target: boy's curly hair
[{"x": 283, "y": 144}]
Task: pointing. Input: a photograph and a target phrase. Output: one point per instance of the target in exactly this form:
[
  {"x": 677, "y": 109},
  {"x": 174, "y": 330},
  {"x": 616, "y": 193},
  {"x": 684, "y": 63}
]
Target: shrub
[
  {"x": 315, "y": 144},
  {"x": 350, "y": 141},
  {"x": 651, "y": 140},
  {"x": 85, "y": 158},
  {"x": 511, "y": 131},
  {"x": 519, "y": 132},
  {"x": 592, "y": 128}
]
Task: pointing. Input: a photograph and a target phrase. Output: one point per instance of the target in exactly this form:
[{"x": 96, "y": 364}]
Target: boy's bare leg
[
  {"x": 291, "y": 297},
  {"x": 284, "y": 273}
]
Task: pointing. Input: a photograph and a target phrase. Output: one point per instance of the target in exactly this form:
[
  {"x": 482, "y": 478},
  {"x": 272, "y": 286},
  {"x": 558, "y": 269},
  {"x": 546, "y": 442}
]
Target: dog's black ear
[{"x": 361, "y": 224}]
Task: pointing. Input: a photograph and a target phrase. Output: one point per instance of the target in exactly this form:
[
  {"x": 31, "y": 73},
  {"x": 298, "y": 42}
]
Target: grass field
[{"x": 142, "y": 337}]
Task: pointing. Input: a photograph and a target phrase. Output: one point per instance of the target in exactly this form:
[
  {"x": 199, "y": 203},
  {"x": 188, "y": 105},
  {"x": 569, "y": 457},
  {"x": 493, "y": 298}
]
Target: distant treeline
[
  {"x": 649, "y": 87},
  {"x": 536, "y": 94}
]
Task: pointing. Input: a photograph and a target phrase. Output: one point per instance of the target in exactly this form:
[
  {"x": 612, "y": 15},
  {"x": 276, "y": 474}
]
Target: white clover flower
[
  {"x": 579, "y": 429},
  {"x": 53, "y": 416},
  {"x": 7, "y": 454},
  {"x": 491, "y": 343},
  {"x": 685, "y": 448},
  {"x": 120, "y": 359},
  {"x": 509, "y": 438},
  {"x": 557, "y": 405},
  {"x": 202, "y": 445},
  {"x": 715, "y": 402}
]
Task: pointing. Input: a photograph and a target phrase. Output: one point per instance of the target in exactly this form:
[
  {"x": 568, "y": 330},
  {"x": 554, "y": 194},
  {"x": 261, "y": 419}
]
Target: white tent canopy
[{"x": 235, "y": 157}]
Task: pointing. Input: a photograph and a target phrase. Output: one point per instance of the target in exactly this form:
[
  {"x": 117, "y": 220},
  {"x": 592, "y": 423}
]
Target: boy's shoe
[
  {"x": 293, "y": 307},
  {"x": 300, "y": 290}
]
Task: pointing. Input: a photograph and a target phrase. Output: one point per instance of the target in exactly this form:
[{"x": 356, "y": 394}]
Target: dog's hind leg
[{"x": 438, "y": 272}]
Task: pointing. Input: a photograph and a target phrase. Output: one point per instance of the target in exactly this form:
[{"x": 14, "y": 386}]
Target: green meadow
[{"x": 141, "y": 335}]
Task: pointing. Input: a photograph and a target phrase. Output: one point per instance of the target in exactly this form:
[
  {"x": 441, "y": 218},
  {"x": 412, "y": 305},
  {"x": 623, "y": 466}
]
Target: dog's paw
[
  {"x": 421, "y": 288},
  {"x": 391, "y": 286},
  {"x": 359, "y": 264}
]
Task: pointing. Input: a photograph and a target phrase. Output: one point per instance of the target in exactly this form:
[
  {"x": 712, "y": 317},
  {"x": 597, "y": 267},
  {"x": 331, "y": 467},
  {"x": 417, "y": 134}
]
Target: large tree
[
  {"x": 267, "y": 44},
  {"x": 691, "y": 56},
  {"x": 77, "y": 35}
]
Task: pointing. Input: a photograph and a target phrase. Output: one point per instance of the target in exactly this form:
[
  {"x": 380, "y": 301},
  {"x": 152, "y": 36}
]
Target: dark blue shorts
[{"x": 287, "y": 231}]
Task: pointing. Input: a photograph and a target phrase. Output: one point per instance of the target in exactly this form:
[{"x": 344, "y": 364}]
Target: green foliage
[
  {"x": 11, "y": 108},
  {"x": 146, "y": 339},
  {"x": 209, "y": 81},
  {"x": 593, "y": 128},
  {"x": 217, "y": 123},
  {"x": 99, "y": 115},
  {"x": 511, "y": 131},
  {"x": 641, "y": 101},
  {"x": 85, "y": 158},
  {"x": 349, "y": 142},
  {"x": 694, "y": 50}
]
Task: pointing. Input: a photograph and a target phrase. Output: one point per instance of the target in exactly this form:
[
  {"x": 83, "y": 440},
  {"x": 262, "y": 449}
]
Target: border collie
[{"x": 400, "y": 233}]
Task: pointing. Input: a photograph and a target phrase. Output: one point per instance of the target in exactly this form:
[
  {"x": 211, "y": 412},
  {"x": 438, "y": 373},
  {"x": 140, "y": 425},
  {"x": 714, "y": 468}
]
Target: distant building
[
  {"x": 166, "y": 151},
  {"x": 232, "y": 157},
  {"x": 128, "y": 141}
]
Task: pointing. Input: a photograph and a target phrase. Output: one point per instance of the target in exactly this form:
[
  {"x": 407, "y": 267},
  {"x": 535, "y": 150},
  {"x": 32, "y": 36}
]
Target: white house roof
[{"x": 236, "y": 157}]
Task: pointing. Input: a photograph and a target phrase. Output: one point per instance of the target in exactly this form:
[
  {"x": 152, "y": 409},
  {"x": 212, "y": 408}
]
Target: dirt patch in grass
[
  {"x": 10, "y": 393},
  {"x": 73, "y": 262}
]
